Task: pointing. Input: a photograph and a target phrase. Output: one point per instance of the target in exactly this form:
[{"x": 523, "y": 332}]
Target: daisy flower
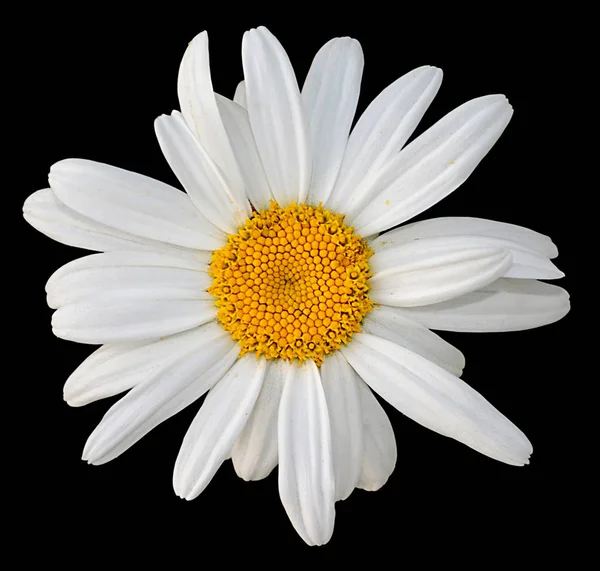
[{"x": 281, "y": 284}]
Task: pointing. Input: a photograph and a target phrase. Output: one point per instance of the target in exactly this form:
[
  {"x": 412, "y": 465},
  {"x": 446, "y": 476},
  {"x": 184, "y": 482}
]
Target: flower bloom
[{"x": 281, "y": 283}]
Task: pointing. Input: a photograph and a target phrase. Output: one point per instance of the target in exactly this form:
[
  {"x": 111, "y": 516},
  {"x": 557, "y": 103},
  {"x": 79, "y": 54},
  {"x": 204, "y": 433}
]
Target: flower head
[
  {"x": 281, "y": 284},
  {"x": 292, "y": 283}
]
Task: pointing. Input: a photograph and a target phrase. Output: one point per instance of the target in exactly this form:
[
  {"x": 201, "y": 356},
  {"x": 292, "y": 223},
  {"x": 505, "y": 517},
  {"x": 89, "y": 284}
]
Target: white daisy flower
[{"x": 276, "y": 284}]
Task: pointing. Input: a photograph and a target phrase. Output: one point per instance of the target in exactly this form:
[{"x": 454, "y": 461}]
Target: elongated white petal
[
  {"x": 392, "y": 324},
  {"x": 206, "y": 184},
  {"x": 115, "y": 368},
  {"x": 128, "y": 275},
  {"x": 276, "y": 115},
  {"x": 525, "y": 263},
  {"x": 199, "y": 108},
  {"x": 51, "y": 217},
  {"x": 120, "y": 320},
  {"x": 254, "y": 453},
  {"x": 239, "y": 96},
  {"x": 106, "y": 372},
  {"x": 132, "y": 203},
  {"x": 121, "y": 284},
  {"x": 306, "y": 478},
  {"x": 382, "y": 131},
  {"x": 504, "y": 305},
  {"x": 221, "y": 418},
  {"x": 433, "y": 270},
  {"x": 330, "y": 94},
  {"x": 436, "y": 399},
  {"x": 465, "y": 226},
  {"x": 432, "y": 166},
  {"x": 343, "y": 404},
  {"x": 163, "y": 394},
  {"x": 192, "y": 261},
  {"x": 237, "y": 124},
  {"x": 379, "y": 443}
]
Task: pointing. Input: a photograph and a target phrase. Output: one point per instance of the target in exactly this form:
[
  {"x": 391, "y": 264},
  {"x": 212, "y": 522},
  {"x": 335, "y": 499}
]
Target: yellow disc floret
[{"x": 292, "y": 283}]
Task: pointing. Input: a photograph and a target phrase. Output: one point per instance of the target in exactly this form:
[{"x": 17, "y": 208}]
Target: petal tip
[
  {"x": 73, "y": 400},
  {"x": 183, "y": 490},
  {"x": 200, "y": 37},
  {"x": 64, "y": 165},
  {"x": 29, "y": 205}
]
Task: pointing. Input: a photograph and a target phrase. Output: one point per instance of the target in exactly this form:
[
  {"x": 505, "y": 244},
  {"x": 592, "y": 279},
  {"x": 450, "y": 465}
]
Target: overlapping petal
[
  {"x": 254, "y": 453},
  {"x": 115, "y": 368},
  {"x": 434, "y": 270},
  {"x": 392, "y": 324},
  {"x": 54, "y": 219},
  {"x": 306, "y": 477},
  {"x": 343, "y": 404},
  {"x": 237, "y": 124},
  {"x": 209, "y": 187},
  {"x": 436, "y": 399},
  {"x": 207, "y": 443},
  {"x": 381, "y": 132},
  {"x": 379, "y": 443},
  {"x": 503, "y": 305},
  {"x": 465, "y": 226},
  {"x": 239, "y": 96},
  {"x": 277, "y": 116},
  {"x": 129, "y": 296},
  {"x": 132, "y": 203},
  {"x": 199, "y": 107},
  {"x": 432, "y": 166},
  {"x": 209, "y": 352}
]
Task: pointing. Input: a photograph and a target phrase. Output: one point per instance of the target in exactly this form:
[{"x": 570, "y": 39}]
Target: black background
[{"x": 89, "y": 84}]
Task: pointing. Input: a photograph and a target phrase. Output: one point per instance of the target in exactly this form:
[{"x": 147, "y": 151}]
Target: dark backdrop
[{"x": 89, "y": 84}]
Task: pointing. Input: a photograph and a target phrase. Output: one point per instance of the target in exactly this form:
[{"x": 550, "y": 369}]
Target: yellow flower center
[{"x": 292, "y": 283}]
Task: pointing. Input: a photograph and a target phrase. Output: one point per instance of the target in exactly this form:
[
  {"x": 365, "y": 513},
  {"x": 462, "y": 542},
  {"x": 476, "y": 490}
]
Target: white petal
[
  {"x": 330, "y": 94},
  {"x": 51, "y": 217},
  {"x": 455, "y": 226},
  {"x": 193, "y": 260},
  {"x": 276, "y": 115},
  {"x": 221, "y": 418},
  {"x": 240, "y": 94},
  {"x": 207, "y": 185},
  {"x": 113, "y": 369},
  {"x": 382, "y": 131},
  {"x": 504, "y": 305},
  {"x": 306, "y": 478},
  {"x": 341, "y": 392},
  {"x": 433, "y": 270},
  {"x": 525, "y": 263},
  {"x": 103, "y": 320},
  {"x": 110, "y": 284},
  {"x": 199, "y": 108},
  {"x": 254, "y": 453},
  {"x": 210, "y": 352},
  {"x": 379, "y": 444},
  {"x": 392, "y": 324},
  {"x": 108, "y": 371},
  {"x": 132, "y": 203},
  {"x": 436, "y": 399},
  {"x": 128, "y": 275},
  {"x": 237, "y": 124},
  {"x": 432, "y": 166}
]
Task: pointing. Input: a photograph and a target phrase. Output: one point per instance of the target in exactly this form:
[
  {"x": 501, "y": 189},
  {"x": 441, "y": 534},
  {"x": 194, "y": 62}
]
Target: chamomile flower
[{"x": 281, "y": 284}]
